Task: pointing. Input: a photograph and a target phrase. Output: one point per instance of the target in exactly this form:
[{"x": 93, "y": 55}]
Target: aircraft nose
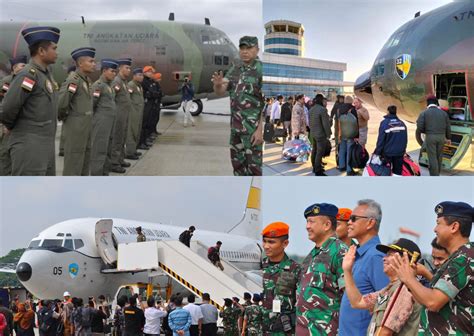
[
  {"x": 363, "y": 88},
  {"x": 23, "y": 271}
]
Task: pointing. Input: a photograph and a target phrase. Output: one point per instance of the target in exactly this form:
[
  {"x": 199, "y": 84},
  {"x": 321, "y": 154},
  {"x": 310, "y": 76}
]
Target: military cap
[
  {"x": 109, "y": 63},
  {"x": 276, "y": 229},
  {"x": 257, "y": 297},
  {"x": 148, "y": 68},
  {"x": 139, "y": 228},
  {"x": 455, "y": 209},
  {"x": 235, "y": 298},
  {"x": 249, "y": 41},
  {"x": 344, "y": 214},
  {"x": 321, "y": 209},
  {"x": 124, "y": 61},
  {"x": 227, "y": 302},
  {"x": 18, "y": 59},
  {"x": 137, "y": 71},
  {"x": 79, "y": 52},
  {"x": 400, "y": 246},
  {"x": 36, "y": 34}
]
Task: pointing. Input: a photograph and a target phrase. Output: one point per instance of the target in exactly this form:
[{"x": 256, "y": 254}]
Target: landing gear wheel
[{"x": 196, "y": 107}]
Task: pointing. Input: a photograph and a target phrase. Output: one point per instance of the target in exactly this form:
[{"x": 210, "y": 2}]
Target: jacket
[
  {"x": 285, "y": 112},
  {"x": 393, "y": 138},
  {"x": 319, "y": 123}
]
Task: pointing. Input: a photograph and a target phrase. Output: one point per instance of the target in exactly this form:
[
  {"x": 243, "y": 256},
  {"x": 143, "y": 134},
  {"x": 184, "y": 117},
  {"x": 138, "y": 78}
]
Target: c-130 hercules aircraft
[
  {"x": 431, "y": 54},
  {"x": 174, "y": 49}
]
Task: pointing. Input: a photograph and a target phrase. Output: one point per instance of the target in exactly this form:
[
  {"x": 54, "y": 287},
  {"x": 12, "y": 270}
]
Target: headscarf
[{"x": 25, "y": 318}]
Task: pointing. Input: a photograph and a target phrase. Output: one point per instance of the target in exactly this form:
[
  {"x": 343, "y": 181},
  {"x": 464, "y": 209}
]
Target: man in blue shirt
[
  {"x": 363, "y": 225},
  {"x": 179, "y": 319}
]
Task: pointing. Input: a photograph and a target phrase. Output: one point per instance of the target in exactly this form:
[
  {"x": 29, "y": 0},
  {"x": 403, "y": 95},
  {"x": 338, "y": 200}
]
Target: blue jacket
[
  {"x": 187, "y": 92},
  {"x": 393, "y": 138}
]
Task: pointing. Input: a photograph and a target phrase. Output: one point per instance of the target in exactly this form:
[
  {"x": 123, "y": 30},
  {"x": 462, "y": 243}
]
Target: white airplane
[{"x": 78, "y": 255}]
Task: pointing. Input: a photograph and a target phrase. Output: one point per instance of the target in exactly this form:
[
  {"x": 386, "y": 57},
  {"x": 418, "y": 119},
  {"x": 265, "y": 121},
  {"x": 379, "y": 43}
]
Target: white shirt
[
  {"x": 276, "y": 110},
  {"x": 153, "y": 320},
  {"x": 195, "y": 312}
]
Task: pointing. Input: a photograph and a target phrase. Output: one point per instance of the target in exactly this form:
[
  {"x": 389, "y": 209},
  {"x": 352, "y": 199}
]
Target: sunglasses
[{"x": 354, "y": 218}]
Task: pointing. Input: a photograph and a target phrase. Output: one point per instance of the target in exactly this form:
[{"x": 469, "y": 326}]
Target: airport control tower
[{"x": 284, "y": 37}]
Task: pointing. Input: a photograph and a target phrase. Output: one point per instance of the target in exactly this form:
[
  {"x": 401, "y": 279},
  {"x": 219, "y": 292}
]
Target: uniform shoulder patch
[
  {"x": 32, "y": 71},
  {"x": 72, "y": 87},
  {"x": 96, "y": 93},
  {"x": 28, "y": 84},
  {"x": 117, "y": 87}
]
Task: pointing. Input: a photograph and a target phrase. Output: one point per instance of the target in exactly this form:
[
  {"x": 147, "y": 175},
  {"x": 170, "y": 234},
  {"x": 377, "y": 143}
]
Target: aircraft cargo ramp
[{"x": 187, "y": 267}]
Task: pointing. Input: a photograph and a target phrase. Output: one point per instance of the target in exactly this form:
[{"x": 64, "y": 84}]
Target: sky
[
  {"x": 28, "y": 205},
  {"x": 407, "y": 202},
  {"x": 228, "y": 15},
  {"x": 346, "y": 31}
]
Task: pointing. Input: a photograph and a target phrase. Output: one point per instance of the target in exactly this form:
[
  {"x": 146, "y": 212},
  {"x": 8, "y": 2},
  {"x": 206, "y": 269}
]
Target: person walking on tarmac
[
  {"x": 280, "y": 278},
  {"x": 134, "y": 318},
  {"x": 230, "y": 317},
  {"x": 187, "y": 96},
  {"x": 435, "y": 124},
  {"x": 186, "y": 235},
  {"x": 320, "y": 128},
  {"x": 140, "y": 235},
  {"x": 253, "y": 318},
  {"x": 214, "y": 256}
]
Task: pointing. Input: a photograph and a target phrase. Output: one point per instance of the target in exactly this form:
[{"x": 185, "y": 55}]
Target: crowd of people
[{"x": 347, "y": 125}]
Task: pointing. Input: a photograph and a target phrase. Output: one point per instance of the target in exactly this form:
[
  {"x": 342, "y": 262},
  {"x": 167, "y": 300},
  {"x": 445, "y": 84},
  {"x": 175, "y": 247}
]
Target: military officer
[
  {"x": 62, "y": 138},
  {"x": 435, "y": 123},
  {"x": 244, "y": 83},
  {"x": 75, "y": 110},
  {"x": 280, "y": 277},
  {"x": 30, "y": 107},
  {"x": 124, "y": 105},
  {"x": 448, "y": 303},
  {"x": 103, "y": 118},
  {"x": 136, "y": 114},
  {"x": 321, "y": 283},
  {"x": 253, "y": 318},
  {"x": 247, "y": 303},
  {"x": 343, "y": 216},
  {"x": 17, "y": 64},
  {"x": 140, "y": 235},
  {"x": 230, "y": 317}
]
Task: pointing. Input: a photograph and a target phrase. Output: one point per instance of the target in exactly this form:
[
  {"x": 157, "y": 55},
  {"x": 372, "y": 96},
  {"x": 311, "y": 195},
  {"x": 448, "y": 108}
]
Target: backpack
[
  {"x": 409, "y": 167},
  {"x": 77, "y": 317},
  {"x": 182, "y": 236},
  {"x": 45, "y": 320},
  {"x": 86, "y": 317},
  {"x": 359, "y": 156},
  {"x": 211, "y": 253},
  {"x": 348, "y": 126}
]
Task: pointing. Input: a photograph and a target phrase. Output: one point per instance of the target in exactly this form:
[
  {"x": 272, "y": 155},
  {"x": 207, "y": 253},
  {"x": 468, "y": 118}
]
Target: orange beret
[
  {"x": 157, "y": 76},
  {"x": 276, "y": 229},
  {"x": 343, "y": 214},
  {"x": 148, "y": 68}
]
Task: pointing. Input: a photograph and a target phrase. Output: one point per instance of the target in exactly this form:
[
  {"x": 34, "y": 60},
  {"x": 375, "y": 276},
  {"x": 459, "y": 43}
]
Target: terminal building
[{"x": 287, "y": 72}]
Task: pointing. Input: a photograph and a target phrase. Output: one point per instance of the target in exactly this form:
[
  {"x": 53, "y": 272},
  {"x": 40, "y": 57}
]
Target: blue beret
[
  {"x": 109, "y": 63},
  {"x": 18, "y": 59},
  {"x": 455, "y": 209},
  {"x": 321, "y": 209},
  {"x": 124, "y": 61},
  {"x": 79, "y": 52},
  {"x": 137, "y": 71},
  {"x": 36, "y": 34},
  {"x": 257, "y": 297}
]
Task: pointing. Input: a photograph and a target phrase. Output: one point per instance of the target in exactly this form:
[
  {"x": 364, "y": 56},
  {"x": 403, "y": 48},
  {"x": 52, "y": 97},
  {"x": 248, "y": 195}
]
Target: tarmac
[
  {"x": 202, "y": 150},
  {"x": 275, "y": 165}
]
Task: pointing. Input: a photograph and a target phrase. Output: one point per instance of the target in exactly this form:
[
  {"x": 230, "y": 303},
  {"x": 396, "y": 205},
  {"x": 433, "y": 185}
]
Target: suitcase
[
  {"x": 269, "y": 132},
  {"x": 410, "y": 168},
  {"x": 280, "y": 133}
]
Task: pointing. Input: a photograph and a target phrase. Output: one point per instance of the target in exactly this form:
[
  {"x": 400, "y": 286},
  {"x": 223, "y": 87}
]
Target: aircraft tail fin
[{"x": 250, "y": 225}]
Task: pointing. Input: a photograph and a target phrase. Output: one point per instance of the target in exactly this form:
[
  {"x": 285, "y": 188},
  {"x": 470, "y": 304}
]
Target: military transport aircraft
[
  {"x": 431, "y": 54},
  {"x": 175, "y": 50}
]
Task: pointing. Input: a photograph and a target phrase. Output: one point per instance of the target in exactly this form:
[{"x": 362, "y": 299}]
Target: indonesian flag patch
[
  {"x": 28, "y": 84},
  {"x": 117, "y": 88},
  {"x": 72, "y": 88},
  {"x": 97, "y": 93},
  {"x": 5, "y": 87},
  {"x": 130, "y": 91}
]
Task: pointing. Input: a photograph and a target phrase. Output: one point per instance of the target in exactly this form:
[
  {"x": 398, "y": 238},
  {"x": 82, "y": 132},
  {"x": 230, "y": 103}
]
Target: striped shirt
[{"x": 180, "y": 319}]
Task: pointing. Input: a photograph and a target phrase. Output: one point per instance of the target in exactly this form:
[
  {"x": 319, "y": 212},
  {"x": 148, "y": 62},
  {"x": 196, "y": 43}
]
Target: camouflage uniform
[
  {"x": 254, "y": 315},
  {"x": 279, "y": 283},
  {"x": 455, "y": 279},
  {"x": 230, "y": 318},
  {"x": 246, "y": 105},
  {"x": 320, "y": 288},
  {"x": 5, "y": 161}
]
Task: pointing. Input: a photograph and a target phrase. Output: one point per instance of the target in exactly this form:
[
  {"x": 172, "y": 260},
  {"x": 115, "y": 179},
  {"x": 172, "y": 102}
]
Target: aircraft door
[{"x": 105, "y": 242}]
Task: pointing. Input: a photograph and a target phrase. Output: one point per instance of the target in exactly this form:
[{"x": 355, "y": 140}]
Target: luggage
[
  {"x": 359, "y": 156},
  {"x": 269, "y": 132},
  {"x": 410, "y": 168},
  {"x": 280, "y": 133},
  {"x": 381, "y": 168},
  {"x": 328, "y": 148},
  {"x": 297, "y": 150},
  {"x": 348, "y": 126}
]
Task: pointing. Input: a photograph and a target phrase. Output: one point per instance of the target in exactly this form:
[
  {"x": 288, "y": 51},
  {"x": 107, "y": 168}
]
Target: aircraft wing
[{"x": 7, "y": 270}]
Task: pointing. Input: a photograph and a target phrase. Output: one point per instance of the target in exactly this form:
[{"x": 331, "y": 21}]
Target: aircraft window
[
  {"x": 78, "y": 243},
  {"x": 34, "y": 243},
  {"x": 60, "y": 235},
  {"x": 217, "y": 60},
  {"x": 68, "y": 235},
  {"x": 205, "y": 39},
  {"x": 226, "y": 60},
  {"x": 52, "y": 243},
  {"x": 68, "y": 244}
]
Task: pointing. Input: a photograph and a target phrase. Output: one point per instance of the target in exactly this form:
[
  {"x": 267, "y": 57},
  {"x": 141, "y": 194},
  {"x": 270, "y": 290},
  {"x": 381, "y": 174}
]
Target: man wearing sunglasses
[{"x": 369, "y": 277}]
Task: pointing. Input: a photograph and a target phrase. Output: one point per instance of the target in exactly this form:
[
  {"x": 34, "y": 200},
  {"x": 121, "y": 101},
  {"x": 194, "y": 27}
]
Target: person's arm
[
  {"x": 221, "y": 83},
  {"x": 16, "y": 96},
  {"x": 66, "y": 93},
  {"x": 401, "y": 311},
  {"x": 433, "y": 299},
  {"x": 424, "y": 272},
  {"x": 188, "y": 323},
  {"x": 244, "y": 325},
  {"x": 355, "y": 297},
  {"x": 381, "y": 139},
  {"x": 171, "y": 323},
  {"x": 326, "y": 123},
  {"x": 420, "y": 123},
  {"x": 448, "y": 129}
]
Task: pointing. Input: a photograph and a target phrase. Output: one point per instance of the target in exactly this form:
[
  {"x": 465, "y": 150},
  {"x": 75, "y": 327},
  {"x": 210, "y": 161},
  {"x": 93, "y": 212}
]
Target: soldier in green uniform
[
  {"x": 230, "y": 318},
  {"x": 75, "y": 110},
  {"x": 253, "y": 318},
  {"x": 280, "y": 278},
  {"x": 140, "y": 235},
  {"x": 448, "y": 303},
  {"x": 30, "y": 107},
  {"x": 17, "y": 64},
  {"x": 136, "y": 114},
  {"x": 124, "y": 106},
  {"x": 62, "y": 137},
  {"x": 435, "y": 123},
  {"x": 244, "y": 84},
  {"x": 321, "y": 283},
  {"x": 103, "y": 118},
  {"x": 247, "y": 303}
]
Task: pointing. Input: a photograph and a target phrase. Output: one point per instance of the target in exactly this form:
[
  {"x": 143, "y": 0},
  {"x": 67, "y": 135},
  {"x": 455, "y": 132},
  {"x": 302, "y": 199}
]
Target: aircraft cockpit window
[
  {"x": 52, "y": 243},
  {"x": 68, "y": 244},
  {"x": 68, "y": 235},
  {"x": 205, "y": 39},
  {"x": 78, "y": 243},
  {"x": 34, "y": 244},
  {"x": 60, "y": 235}
]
